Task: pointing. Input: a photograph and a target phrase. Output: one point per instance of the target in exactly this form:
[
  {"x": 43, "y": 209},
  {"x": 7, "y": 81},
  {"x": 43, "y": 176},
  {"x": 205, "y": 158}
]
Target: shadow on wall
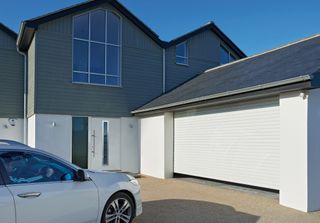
[{"x": 188, "y": 211}]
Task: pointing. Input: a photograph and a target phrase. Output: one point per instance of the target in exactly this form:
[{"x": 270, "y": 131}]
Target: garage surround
[{"x": 253, "y": 122}]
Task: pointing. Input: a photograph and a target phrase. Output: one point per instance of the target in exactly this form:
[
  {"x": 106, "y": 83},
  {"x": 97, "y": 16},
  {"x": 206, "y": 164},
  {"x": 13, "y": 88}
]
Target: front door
[
  {"x": 80, "y": 141},
  {"x": 105, "y": 144}
]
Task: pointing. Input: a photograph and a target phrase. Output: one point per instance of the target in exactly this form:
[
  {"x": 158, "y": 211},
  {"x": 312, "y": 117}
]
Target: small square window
[
  {"x": 224, "y": 55},
  {"x": 182, "y": 53}
]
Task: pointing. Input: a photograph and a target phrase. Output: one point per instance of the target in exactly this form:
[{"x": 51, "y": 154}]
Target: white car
[{"x": 37, "y": 187}]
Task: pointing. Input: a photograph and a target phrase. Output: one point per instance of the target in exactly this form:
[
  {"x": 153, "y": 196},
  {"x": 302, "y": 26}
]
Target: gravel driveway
[{"x": 182, "y": 201}]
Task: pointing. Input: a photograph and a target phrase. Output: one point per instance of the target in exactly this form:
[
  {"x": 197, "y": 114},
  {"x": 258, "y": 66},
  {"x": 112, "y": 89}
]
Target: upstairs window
[
  {"x": 226, "y": 56},
  {"x": 96, "y": 48},
  {"x": 182, "y": 53}
]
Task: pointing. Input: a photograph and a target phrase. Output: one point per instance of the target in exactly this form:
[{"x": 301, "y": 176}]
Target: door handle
[{"x": 30, "y": 195}]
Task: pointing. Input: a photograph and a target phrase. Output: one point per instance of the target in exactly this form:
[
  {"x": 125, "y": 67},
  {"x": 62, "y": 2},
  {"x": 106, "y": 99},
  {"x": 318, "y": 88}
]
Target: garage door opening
[{"x": 238, "y": 143}]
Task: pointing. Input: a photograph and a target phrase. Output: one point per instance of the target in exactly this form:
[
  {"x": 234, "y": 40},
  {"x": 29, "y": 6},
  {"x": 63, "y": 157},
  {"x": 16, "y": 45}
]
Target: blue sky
[{"x": 255, "y": 26}]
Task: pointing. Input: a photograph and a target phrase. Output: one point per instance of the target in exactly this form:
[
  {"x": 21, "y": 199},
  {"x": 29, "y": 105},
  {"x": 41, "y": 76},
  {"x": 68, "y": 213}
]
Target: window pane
[
  {"x": 113, "y": 28},
  {"x": 113, "y": 81},
  {"x": 113, "y": 60},
  {"x": 81, "y": 26},
  {"x": 97, "y": 58},
  {"x": 181, "y": 50},
  {"x": 106, "y": 143},
  {"x": 98, "y": 25},
  {"x": 181, "y": 60},
  {"x": 80, "y": 77},
  {"x": 80, "y": 55},
  {"x": 224, "y": 55},
  {"x": 34, "y": 168},
  {"x": 98, "y": 79}
]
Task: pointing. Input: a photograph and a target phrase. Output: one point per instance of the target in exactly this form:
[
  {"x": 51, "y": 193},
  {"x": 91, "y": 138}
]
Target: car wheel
[{"x": 119, "y": 209}]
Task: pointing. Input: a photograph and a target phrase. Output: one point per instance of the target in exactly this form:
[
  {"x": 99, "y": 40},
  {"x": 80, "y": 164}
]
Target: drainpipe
[
  {"x": 25, "y": 123},
  {"x": 163, "y": 70}
]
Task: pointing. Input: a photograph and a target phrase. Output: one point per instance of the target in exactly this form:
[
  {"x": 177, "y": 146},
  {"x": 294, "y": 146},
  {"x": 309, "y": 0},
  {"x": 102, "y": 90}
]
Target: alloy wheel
[{"x": 119, "y": 211}]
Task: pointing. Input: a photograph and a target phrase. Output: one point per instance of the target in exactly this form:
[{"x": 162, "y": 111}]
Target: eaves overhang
[{"x": 298, "y": 83}]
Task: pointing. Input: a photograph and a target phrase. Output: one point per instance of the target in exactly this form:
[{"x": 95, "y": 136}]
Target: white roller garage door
[{"x": 237, "y": 143}]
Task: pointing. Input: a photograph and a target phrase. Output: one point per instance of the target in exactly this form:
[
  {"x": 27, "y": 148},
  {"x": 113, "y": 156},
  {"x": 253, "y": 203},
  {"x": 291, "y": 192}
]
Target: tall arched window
[{"x": 96, "y": 48}]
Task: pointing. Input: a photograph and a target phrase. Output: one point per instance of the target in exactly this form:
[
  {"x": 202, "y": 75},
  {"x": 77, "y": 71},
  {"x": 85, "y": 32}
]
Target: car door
[
  {"x": 7, "y": 211},
  {"x": 45, "y": 191}
]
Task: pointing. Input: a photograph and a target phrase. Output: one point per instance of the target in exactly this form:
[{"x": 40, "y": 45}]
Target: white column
[
  {"x": 157, "y": 145},
  {"x": 300, "y": 145},
  {"x": 168, "y": 144},
  {"x": 130, "y": 152}
]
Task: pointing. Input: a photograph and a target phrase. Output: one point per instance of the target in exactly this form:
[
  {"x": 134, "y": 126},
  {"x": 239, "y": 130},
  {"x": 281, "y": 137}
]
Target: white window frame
[
  {"x": 186, "y": 57},
  {"x": 108, "y": 132},
  {"x": 106, "y": 44}
]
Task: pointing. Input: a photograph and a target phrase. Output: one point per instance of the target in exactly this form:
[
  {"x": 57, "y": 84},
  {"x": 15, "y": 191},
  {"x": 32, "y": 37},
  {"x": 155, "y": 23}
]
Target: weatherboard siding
[
  {"x": 6, "y": 41},
  {"x": 203, "y": 54},
  {"x": 55, "y": 92},
  {"x": 11, "y": 75}
]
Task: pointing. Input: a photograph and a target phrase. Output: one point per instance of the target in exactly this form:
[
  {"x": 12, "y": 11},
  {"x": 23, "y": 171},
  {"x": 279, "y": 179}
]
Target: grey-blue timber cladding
[
  {"x": 203, "y": 53},
  {"x": 56, "y": 94},
  {"x": 11, "y": 76}
]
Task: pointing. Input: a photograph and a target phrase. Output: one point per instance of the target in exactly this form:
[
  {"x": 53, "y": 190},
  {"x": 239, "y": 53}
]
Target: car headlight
[{"x": 133, "y": 180}]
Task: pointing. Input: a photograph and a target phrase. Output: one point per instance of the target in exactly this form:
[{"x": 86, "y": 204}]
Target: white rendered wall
[
  {"x": 152, "y": 146},
  {"x": 157, "y": 146},
  {"x": 130, "y": 145},
  {"x": 52, "y": 133},
  {"x": 293, "y": 150},
  {"x": 10, "y": 132},
  {"x": 32, "y": 131},
  {"x": 300, "y": 150}
]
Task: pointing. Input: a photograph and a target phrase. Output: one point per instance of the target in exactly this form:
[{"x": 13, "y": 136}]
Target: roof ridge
[
  {"x": 263, "y": 53},
  {"x": 210, "y": 25},
  {"x": 9, "y": 31},
  {"x": 191, "y": 31}
]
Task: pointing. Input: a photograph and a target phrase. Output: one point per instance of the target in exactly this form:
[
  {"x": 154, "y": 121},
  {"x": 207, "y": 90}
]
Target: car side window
[
  {"x": 22, "y": 167},
  {"x": 1, "y": 180}
]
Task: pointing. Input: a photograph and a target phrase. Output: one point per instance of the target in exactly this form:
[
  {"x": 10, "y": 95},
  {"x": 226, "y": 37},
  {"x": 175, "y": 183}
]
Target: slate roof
[
  {"x": 29, "y": 27},
  {"x": 299, "y": 61}
]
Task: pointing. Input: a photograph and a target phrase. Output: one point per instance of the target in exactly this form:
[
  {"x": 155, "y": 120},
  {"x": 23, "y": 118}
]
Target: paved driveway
[{"x": 181, "y": 201}]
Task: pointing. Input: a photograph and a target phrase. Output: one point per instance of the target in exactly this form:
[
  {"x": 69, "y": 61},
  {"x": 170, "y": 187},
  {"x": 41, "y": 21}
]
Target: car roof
[{"x": 10, "y": 144}]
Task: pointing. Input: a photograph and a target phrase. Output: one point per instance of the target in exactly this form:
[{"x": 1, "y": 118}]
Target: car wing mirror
[{"x": 82, "y": 176}]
